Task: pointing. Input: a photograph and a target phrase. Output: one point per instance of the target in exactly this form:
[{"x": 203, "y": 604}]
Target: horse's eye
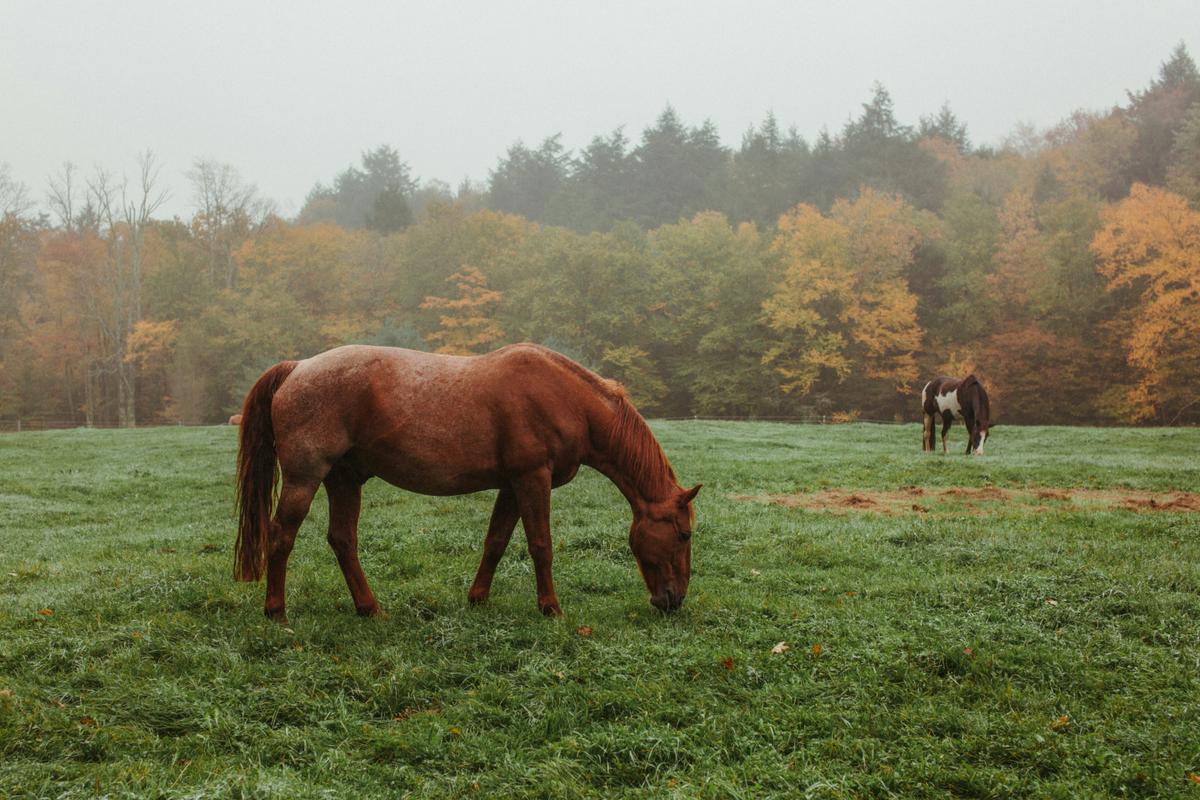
[{"x": 685, "y": 535}]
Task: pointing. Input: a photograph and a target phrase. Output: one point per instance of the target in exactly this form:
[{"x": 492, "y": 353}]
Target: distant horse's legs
[
  {"x": 345, "y": 498},
  {"x": 947, "y": 420},
  {"x": 294, "y": 500},
  {"x": 533, "y": 500},
  {"x": 500, "y": 530},
  {"x": 927, "y": 434}
]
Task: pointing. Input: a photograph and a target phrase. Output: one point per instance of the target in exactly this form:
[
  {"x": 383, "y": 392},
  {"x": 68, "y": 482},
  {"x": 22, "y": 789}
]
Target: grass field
[{"x": 1005, "y": 649}]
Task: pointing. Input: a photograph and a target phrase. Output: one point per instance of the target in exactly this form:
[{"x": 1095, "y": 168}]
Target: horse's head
[
  {"x": 979, "y": 437},
  {"x": 661, "y": 540}
]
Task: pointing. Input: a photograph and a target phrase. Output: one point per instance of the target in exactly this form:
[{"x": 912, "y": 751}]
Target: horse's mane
[
  {"x": 628, "y": 440},
  {"x": 636, "y": 451}
]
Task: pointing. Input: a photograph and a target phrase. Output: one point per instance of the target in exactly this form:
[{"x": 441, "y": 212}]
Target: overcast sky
[{"x": 292, "y": 92}]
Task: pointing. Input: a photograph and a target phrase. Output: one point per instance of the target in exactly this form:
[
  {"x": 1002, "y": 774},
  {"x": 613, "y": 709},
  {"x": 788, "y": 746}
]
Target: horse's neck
[{"x": 631, "y": 458}]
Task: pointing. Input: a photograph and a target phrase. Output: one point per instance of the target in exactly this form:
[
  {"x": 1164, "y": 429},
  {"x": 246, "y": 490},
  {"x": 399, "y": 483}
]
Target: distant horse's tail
[{"x": 256, "y": 473}]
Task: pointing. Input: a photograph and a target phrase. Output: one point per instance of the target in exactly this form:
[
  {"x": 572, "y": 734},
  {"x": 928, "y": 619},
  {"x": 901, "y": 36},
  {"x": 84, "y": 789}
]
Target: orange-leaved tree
[
  {"x": 467, "y": 324},
  {"x": 1149, "y": 249},
  {"x": 843, "y": 305}
]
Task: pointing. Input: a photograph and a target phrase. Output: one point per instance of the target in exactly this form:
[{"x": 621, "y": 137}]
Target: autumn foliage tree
[
  {"x": 1149, "y": 247},
  {"x": 842, "y": 312},
  {"x": 467, "y": 324}
]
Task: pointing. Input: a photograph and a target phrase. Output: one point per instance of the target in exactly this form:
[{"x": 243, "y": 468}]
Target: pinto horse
[
  {"x": 522, "y": 420},
  {"x": 953, "y": 399}
]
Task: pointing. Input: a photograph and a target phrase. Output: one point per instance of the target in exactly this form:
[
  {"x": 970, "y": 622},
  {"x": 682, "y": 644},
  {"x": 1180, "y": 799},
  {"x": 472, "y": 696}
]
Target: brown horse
[{"x": 521, "y": 420}]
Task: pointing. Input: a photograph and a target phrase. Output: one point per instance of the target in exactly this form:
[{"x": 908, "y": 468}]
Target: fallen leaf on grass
[
  {"x": 1193, "y": 777},
  {"x": 782, "y": 647},
  {"x": 584, "y": 630},
  {"x": 1061, "y": 723},
  {"x": 755, "y": 572},
  {"x": 87, "y": 721},
  {"x": 816, "y": 650},
  {"x": 456, "y": 731},
  {"x": 6, "y": 693},
  {"x": 210, "y": 548},
  {"x": 1050, "y": 601},
  {"x": 47, "y": 612},
  {"x": 727, "y": 663},
  {"x": 968, "y": 652}
]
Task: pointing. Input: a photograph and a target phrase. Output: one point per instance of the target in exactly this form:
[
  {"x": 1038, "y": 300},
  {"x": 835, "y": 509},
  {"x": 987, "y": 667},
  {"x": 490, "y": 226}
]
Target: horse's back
[
  {"x": 428, "y": 421},
  {"x": 935, "y": 389}
]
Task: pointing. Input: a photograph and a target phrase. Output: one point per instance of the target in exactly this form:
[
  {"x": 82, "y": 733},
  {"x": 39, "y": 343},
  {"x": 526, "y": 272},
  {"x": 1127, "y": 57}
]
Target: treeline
[{"x": 781, "y": 278}]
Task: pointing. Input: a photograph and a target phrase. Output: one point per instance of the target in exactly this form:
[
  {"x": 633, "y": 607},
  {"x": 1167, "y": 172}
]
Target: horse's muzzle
[{"x": 667, "y": 601}]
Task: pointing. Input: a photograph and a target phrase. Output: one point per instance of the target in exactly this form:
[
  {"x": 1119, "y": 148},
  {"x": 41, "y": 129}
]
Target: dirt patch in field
[{"x": 981, "y": 500}]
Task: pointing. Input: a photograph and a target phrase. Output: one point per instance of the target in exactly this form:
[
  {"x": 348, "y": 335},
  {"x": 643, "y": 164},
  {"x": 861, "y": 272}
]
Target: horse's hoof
[
  {"x": 372, "y": 611},
  {"x": 476, "y": 598},
  {"x": 276, "y": 615},
  {"x": 551, "y": 610}
]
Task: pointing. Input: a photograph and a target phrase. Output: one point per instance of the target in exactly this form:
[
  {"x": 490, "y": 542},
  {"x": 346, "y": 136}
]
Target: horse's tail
[{"x": 256, "y": 473}]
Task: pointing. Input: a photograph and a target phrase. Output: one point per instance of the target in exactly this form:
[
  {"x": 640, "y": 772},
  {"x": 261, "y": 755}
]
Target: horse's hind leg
[
  {"x": 345, "y": 500},
  {"x": 947, "y": 421},
  {"x": 294, "y": 500},
  {"x": 927, "y": 433},
  {"x": 500, "y": 530}
]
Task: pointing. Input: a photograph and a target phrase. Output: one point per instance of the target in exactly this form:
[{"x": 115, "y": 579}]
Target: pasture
[{"x": 932, "y": 625}]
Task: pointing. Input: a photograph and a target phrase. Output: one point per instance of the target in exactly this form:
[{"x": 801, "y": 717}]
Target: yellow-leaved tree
[
  {"x": 1149, "y": 249},
  {"x": 466, "y": 324},
  {"x": 843, "y": 307}
]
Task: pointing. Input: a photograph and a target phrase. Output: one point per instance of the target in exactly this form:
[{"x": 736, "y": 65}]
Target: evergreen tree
[
  {"x": 767, "y": 173},
  {"x": 528, "y": 182},
  {"x": 680, "y": 172},
  {"x": 601, "y": 190},
  {"x": 1158, "y": 113},
  {"x": 376, "y": 195},
  {"x": 947, "y": 126}
]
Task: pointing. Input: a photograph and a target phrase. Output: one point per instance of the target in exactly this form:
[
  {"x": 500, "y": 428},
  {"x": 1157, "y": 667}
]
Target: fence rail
[{"x": 24, "y": 424}]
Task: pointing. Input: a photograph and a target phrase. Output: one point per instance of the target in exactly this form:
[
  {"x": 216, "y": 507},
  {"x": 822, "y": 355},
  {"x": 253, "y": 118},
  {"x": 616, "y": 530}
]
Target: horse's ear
[{"x": 689, "y": 495}]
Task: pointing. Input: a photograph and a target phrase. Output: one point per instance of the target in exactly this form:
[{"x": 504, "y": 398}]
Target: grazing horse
[
  {"x": 521, "y": 420},
  {"x": 953, "y": 399}
]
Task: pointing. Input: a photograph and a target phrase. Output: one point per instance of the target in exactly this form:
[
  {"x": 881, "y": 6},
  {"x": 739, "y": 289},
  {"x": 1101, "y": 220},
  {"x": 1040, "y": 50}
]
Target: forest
[{"x": 783, "y": 278}]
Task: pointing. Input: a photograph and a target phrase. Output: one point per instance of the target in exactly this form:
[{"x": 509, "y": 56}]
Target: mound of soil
[{"x": 965, "y": 499}]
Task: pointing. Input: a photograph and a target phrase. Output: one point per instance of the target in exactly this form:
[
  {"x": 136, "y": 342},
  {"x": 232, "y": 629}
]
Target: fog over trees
[{"x": 780, "y": 277}]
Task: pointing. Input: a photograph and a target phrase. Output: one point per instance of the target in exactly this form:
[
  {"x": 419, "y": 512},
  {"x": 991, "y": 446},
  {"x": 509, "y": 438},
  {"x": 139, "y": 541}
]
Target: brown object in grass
[
  {"x": 984, "y": 500},
  {"x": 522, "y": 420}
]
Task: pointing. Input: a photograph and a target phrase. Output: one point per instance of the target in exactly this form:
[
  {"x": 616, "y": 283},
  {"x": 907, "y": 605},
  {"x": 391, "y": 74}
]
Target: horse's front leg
[
  {"x": 947, "y": 421},
  {"x": 533, "y": 501},
  {"x": 500, "y": 530}
]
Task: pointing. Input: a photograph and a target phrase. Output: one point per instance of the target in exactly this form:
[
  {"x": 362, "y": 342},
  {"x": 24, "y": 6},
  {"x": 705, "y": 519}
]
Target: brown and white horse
[
  {"x": 521, "y": 420},
  {"x": 951, "y": 399}
]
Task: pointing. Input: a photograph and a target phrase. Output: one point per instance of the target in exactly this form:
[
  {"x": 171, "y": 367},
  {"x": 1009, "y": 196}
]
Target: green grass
[{"x": 943, "y": 668}]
